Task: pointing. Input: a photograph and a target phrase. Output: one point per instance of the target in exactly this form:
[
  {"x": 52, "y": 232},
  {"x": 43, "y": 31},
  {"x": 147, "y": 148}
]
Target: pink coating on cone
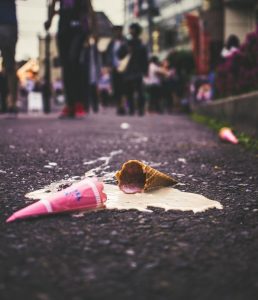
[
  {"x": 11, "y": 219},
  {"x": 86, "y": 194},
  {"x": 35, "y": 209},
  {"x": 226, "y": 134}
]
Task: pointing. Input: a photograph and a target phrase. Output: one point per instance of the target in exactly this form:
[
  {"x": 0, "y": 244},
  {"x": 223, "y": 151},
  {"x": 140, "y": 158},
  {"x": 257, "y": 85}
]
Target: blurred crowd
[{"x": 125, "y": 76}]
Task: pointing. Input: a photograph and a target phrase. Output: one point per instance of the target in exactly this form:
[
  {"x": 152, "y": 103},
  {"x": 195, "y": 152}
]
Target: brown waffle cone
[{"x": 135, "y": 173}]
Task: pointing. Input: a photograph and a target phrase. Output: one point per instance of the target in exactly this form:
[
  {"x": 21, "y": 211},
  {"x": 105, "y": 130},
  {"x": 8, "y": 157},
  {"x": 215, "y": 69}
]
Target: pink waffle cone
[
  {"x": 227, "y": 135},
  {"x": 84, "y": 195}
]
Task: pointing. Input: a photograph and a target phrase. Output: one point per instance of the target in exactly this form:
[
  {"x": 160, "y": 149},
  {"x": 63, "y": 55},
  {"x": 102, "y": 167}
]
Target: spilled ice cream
[
  {"x": 166, "y": 198},
  {"x": 139, "y": 187}
]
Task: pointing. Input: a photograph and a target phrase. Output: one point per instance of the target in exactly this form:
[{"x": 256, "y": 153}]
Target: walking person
[
  {"x": 8, "y": 40},
  {"x": 168, "y": 85},
  {"x": 92, "y": 60},
  {"x": 77, "y": 20},
  {"x": 3, "y": 92},
  {"x": 231, "y": 47},
  {"x": 112, "y": 61},
  {"x": 136, "y": 57},
  {"x": 155, "y": 74},
  {"x": 104, "y": 87}
]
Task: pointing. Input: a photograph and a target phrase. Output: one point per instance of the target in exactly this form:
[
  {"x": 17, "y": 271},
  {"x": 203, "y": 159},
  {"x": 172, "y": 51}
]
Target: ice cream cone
[
  {"x": 227, "y": 135},
  {"x": 137, "y": 177},
  {"x": 86, "y": 194}
]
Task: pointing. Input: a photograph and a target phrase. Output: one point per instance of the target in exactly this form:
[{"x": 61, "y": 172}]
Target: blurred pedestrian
[
  {"x": 77, "y": 20},
  {"x": 135, "y": 60},
  {"x": 155, "y": 73},
  {"x": 90, "y": 64},
  {"x": 168, "y": 85},
  {"x": 8, "y": 39},
  {"x": 104, "y": 87},
  {"x": 231, "y": 47},
  {"x": 58, "y": 89},
  {"x": 3, "y": 92},
  {"x": 112, "y": 61}
]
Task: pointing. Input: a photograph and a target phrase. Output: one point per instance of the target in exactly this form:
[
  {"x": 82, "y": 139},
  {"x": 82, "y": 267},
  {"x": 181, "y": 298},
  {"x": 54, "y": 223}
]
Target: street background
[
  {"x": 128, "y": 254},
  {"x": 203, "y": 66}
]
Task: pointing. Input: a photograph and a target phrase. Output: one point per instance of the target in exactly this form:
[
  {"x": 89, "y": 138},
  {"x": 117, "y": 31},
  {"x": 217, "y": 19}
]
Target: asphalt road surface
[{"x": 128, "y": 254}]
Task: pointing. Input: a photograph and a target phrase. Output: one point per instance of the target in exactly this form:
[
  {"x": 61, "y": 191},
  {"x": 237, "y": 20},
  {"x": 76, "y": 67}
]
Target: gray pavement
[{"x": 128, "y": 254}]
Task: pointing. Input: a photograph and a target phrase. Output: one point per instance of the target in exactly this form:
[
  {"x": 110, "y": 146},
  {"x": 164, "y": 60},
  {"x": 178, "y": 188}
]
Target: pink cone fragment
[
  {"x": 227, "y": 135},
  {"x": 86, "y": 194}
]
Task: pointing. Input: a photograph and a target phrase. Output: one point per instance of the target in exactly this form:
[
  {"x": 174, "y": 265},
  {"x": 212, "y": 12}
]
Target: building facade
[
  {"x": 170, "y": 29},
  {"x": 240, "y": 17}
]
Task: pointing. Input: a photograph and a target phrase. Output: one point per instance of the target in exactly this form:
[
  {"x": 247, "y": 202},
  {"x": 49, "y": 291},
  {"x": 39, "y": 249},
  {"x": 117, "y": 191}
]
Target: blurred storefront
[
  {"x": 169, "y": 23},
  {"x": 240, "y": 17},
  {"x": 201, "y": 26}
]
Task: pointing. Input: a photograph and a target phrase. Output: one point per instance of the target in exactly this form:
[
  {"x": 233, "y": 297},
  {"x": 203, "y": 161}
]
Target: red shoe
[
  {"x": 66, "y": 113},
  {"x": 79, "y": 111}
]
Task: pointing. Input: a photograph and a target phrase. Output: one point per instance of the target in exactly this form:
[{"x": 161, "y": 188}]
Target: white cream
[{"x": 166, "y": 198}]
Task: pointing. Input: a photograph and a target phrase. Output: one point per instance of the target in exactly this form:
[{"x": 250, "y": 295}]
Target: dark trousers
[
  {"x": 3, "y": 93},
  {"x": 104, "y": 96},
  {"x": 118, "y": 88},
  {"x": 167, "y": 93},
  {"x": 94, "y": 99},
  {"x": 155, "y": 98},
  {"x": 3, "y": 105},
  {"x": 135, "y": 87},
  {"x": 70, "y": 46}
]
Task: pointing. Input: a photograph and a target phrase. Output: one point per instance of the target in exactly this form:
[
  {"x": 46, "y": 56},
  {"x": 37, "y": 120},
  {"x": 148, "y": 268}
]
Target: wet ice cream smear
[{"x": 166, "y": 198}]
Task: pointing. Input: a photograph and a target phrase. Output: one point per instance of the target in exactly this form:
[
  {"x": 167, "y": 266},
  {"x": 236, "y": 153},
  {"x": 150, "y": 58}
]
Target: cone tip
[{"x": 11, "y": 219}]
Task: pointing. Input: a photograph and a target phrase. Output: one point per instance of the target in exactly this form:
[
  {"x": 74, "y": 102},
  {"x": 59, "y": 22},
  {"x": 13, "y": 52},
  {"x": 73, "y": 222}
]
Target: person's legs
[
  {"x": 158, "y": 104},
  {"x": 152, "y": 99},
  {"x": 130, "y": 89},
  {"x": 140, "y": 96},
  {"x": 70, "y": 46},
  {"x": 104, "y": 98},
  {"x": 64, "y": 42},
  {"x": 3, "y": 93},
  {"x": 118, "y": 90},
  {"x": 8, "y": 37},
  {"x": 85, "y": 78},
  {"x": 78, "y": 80},
  {"x": 168, "y": 95},
  {"x": 94, "y": 98},
  {"x": 12, "y": 87}
]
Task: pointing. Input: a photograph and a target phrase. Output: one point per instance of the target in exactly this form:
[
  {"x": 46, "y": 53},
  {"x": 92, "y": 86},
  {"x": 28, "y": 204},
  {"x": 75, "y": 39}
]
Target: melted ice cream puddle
[{"x": 166, "y": 198}]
